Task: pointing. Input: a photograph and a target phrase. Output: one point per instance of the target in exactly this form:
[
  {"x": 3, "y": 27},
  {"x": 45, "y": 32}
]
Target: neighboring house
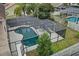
[
  {"x": 74, "y": 4},
  {"x": 60, "y": 6},
  {"x": 56, "y": 6},
  {"x": 4, "y": 47},
  {"x": 73, "y": 23},
  {"x": 70, "y": 11},
  {"x": 63, "y": 12}
]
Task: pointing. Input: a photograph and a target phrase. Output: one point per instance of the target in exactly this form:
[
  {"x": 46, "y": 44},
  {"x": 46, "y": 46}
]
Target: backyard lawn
[{"x": 70, "y": 39}]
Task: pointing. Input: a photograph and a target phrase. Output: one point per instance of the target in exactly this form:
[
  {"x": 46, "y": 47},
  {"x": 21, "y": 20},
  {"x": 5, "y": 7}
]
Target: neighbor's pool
[
  {"x": 29, "y": 36},
  {"x": 72, "y": 19}
]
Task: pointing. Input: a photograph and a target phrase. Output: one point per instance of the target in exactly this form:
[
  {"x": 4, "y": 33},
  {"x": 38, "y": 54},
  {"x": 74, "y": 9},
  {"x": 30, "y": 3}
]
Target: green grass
[{"x": 70, "y": 39}]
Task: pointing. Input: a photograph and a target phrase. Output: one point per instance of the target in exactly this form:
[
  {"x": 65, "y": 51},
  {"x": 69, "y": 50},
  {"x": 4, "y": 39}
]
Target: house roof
[
  {"x": 2, "y": 11},
  {"x": 56, "y": 4},
  {"x": 33, "y": 21},
  {"x": 8, "y": 5},
  {"x": 71, "y": 10}
]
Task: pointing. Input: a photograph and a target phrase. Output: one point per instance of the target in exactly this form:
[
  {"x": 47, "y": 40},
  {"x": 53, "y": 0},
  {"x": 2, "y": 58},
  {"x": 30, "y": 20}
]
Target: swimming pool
[
  {"x": 72, "y": 19},
  {"x": 29, "y": 36}
]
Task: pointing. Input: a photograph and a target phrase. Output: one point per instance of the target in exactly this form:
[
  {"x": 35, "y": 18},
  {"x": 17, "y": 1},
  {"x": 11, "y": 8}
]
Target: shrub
[{"x": 44, "y": 45}]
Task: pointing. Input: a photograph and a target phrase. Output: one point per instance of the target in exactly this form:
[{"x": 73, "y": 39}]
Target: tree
[
  {"x": 17, "y": 11},
  {"x": 46, "y": 7},
  {"x": 30, "y": 8},
  {"x": 44, "y": 45},
  {"x": 43, "y": 10},
  {"x": 43, "y": 15},
  {"x": 23, "y": 7}
]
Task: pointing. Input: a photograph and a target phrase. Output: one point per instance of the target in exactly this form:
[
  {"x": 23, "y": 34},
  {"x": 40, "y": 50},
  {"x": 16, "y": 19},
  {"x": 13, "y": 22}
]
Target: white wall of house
[
  {"x": 74, "y": 4},
  {"x": 4, "y": 47},
  {"x": 73, "y": 25}
]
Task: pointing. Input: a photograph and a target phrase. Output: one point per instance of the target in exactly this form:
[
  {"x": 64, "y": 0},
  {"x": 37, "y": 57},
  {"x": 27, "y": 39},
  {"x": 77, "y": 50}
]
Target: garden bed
[{"x": 32, "y": 53}]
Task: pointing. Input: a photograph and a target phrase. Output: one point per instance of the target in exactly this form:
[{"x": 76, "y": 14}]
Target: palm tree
[
  {"x": 23, "y": 7},
  {"x": 44, "y": 45},
  {"x": 30, "y": 8},
  {"x": 27, "y": 8},
  {"x": 17, "y": 11},
  {"x": 43, "y": 10}
]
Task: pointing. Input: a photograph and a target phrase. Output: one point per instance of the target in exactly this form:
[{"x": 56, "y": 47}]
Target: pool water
[
  {"x": 29, "y": 36},
  {"x": 72, "y": 19}
]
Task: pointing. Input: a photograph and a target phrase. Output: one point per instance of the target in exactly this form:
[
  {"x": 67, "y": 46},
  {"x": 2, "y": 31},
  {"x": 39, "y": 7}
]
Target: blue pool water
[
  {"x": 72, "y": 19},
  {"x": 29, "y": 36}
]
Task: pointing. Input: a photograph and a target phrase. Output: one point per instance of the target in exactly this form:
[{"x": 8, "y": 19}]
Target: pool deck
[
  {"x": 73, "y": 25},
  {"x": 14, "y": 37}
]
